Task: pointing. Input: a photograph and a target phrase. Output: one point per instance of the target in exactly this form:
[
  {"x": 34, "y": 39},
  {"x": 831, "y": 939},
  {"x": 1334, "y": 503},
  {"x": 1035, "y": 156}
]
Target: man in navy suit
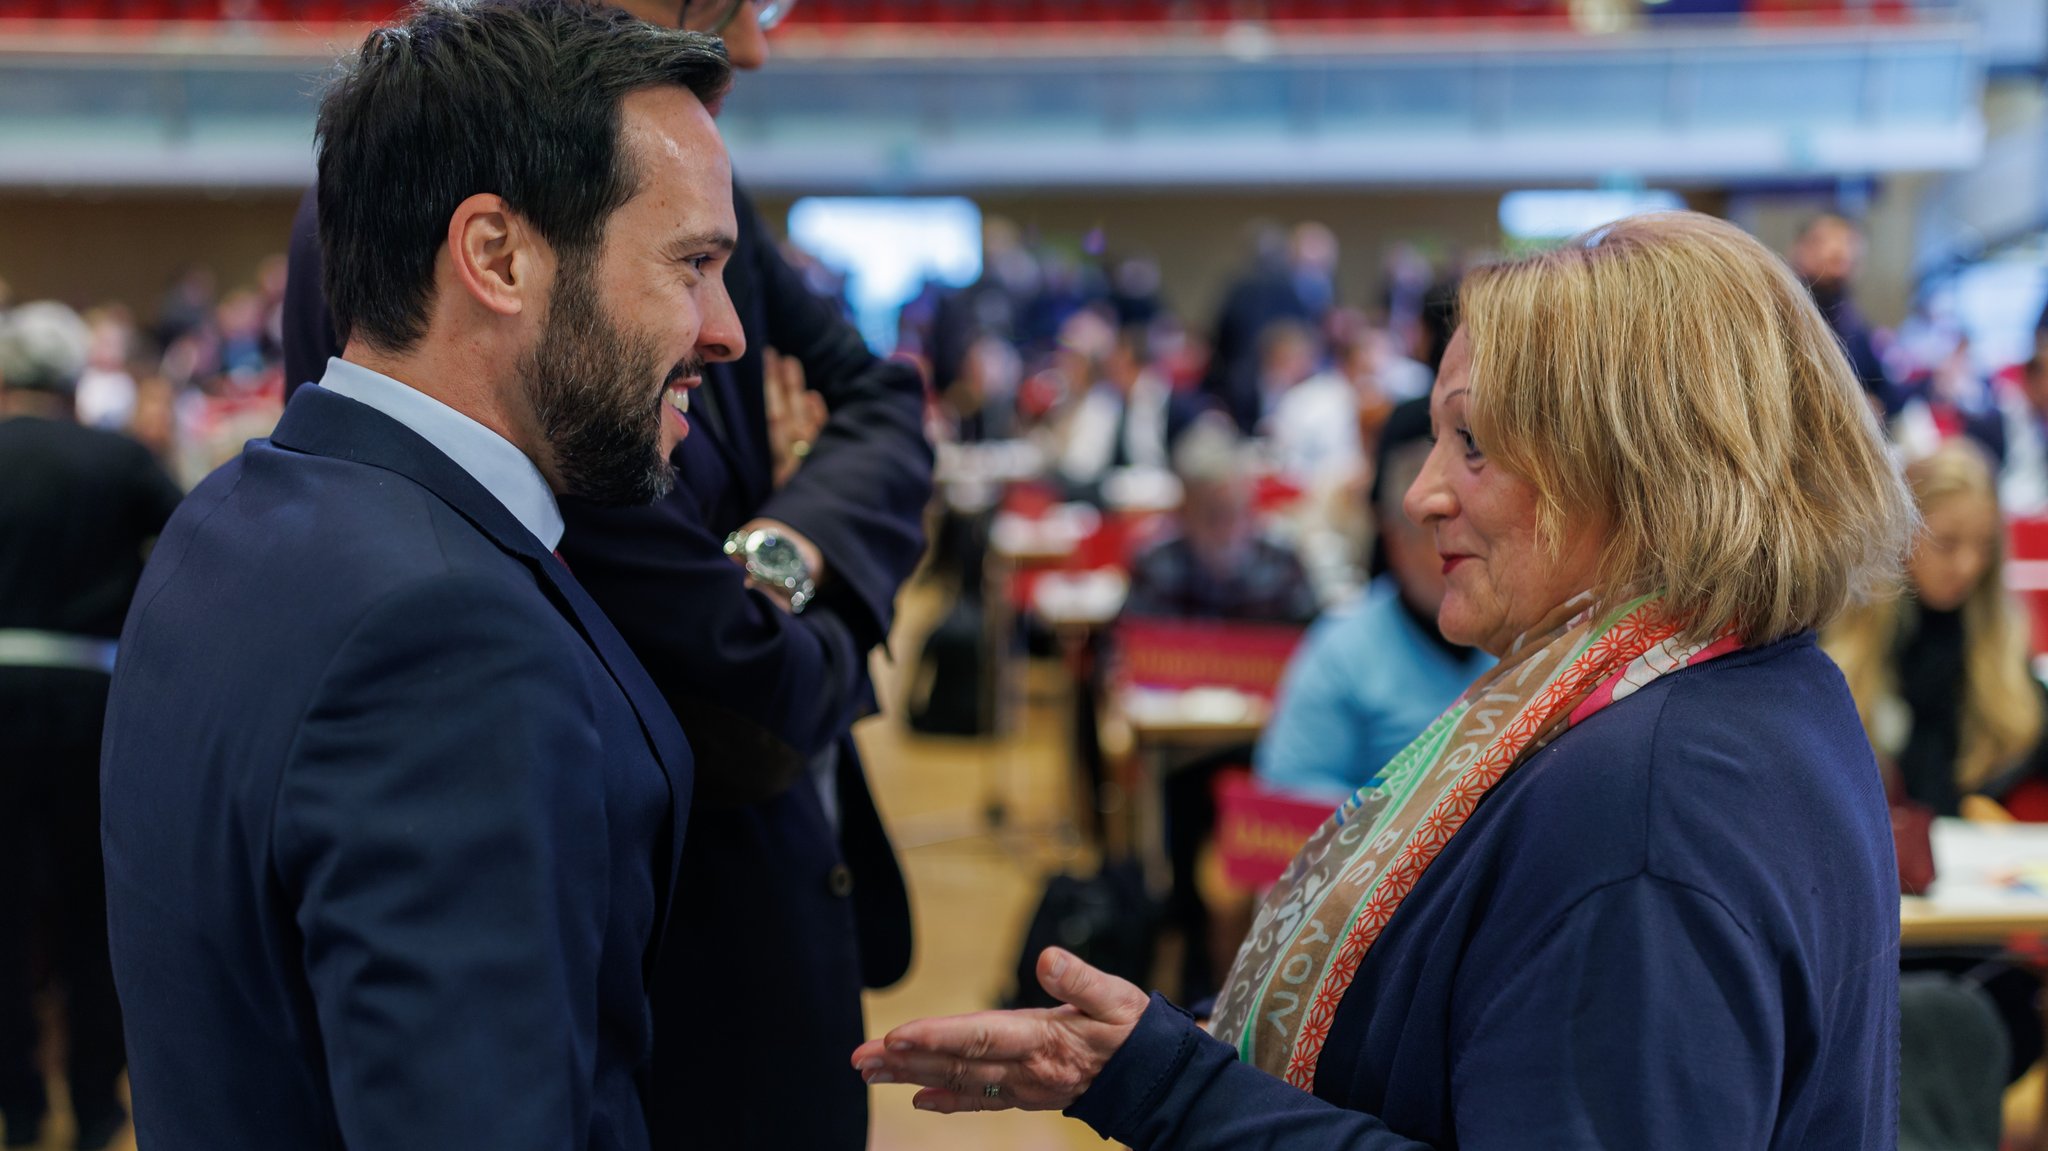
[
  {"x": 391, "y": 812},
  {"x": 789, "y": 890}
]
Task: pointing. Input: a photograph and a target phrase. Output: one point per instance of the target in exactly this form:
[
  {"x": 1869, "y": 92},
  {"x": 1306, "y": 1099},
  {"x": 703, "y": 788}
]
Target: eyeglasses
[{"x": 714, "y": 15}]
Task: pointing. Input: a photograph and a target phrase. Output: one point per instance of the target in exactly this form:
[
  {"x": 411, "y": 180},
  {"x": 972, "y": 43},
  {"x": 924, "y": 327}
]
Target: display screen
[{"x": 889, "y": 248}]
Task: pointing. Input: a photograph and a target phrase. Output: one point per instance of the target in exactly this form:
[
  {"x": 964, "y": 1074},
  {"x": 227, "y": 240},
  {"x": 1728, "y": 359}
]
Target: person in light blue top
[{"x": 1370, "y": 676}]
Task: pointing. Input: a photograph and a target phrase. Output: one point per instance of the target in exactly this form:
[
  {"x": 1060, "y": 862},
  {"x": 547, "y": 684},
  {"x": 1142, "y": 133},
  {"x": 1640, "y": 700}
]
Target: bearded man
[{"x": 391, "y": 812}]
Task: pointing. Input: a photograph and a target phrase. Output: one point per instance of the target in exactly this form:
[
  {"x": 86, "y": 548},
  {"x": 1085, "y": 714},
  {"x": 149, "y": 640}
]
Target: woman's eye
[{"x": 1471, "y": 445}]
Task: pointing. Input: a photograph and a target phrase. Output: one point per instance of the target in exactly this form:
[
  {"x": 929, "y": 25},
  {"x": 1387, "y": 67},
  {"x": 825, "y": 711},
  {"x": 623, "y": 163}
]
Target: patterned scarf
[{"x": 1329, "y": 907}]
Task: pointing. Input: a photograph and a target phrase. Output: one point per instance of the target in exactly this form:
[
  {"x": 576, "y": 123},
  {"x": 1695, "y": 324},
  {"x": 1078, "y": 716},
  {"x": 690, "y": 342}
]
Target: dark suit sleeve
[
  {"x": 861, "y": 494},
  {"x": 757, "y": 690},
  {"x": 443, "y": 845},
  {"x": 1173, "y": 1087}
]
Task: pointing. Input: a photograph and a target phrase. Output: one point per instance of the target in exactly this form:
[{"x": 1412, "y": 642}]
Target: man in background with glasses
[{"x": 754, "y": 604}]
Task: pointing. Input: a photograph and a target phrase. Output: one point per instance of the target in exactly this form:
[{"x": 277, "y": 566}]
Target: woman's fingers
[
  {"x": 1090, "y": 990},
  {"x": 1048, "y": 1081},
  {"x": 998, "y": 1035},
  {"x": 946, "y": 1072},
  {"x": 947, "y": 1103},
  {"x": 868, "y": 1052}
]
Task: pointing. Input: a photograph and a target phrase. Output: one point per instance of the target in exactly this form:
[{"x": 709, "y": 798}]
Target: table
[{"x": 1991, "y": 884}]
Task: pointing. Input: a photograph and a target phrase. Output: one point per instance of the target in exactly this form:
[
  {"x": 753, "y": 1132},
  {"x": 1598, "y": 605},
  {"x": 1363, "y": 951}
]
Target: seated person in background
[
  {"x": 1216, "y": 566},
  {"x": 1370, "y": 677},
  {"x": 1130, "y": 417},
  {"x": 1940, "y": 673}
]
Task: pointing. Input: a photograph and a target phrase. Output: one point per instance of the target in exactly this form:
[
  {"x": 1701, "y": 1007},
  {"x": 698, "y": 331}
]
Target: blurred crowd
[
  {"x": 1082, "y": 356},
  {"x": 193, "y": 378}
]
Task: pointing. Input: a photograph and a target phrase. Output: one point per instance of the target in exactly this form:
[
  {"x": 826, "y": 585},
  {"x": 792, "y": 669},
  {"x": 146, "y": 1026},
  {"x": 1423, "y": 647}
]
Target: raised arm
[{"x": 861, "y": 492}]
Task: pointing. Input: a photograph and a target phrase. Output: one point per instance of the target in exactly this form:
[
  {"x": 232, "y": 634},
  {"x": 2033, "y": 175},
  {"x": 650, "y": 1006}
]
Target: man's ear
[{"x": 497, "y": 258}]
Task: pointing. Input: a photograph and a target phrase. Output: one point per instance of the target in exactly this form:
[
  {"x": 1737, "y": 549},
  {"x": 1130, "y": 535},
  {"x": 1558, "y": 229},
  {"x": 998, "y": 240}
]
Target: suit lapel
[{"x": 320, "y": 422}]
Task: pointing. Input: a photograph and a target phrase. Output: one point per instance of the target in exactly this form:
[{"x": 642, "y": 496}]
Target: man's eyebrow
[{"x": 681, "y": 246}]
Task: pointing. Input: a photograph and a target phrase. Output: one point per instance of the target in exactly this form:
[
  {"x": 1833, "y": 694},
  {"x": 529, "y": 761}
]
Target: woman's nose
[{"x": 1429, "y": 498}]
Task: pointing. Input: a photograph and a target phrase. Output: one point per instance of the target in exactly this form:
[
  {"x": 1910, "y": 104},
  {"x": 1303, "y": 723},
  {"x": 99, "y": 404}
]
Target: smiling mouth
[
  {"x": 1453, "y": 561},
  {"x": 682, "y": 379}
]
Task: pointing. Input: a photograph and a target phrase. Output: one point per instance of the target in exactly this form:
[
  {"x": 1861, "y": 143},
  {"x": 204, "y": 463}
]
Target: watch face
[{"x": 777, "y": 559}]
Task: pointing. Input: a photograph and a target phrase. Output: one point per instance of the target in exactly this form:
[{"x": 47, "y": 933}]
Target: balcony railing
[{"x": 1253, "y": 104}]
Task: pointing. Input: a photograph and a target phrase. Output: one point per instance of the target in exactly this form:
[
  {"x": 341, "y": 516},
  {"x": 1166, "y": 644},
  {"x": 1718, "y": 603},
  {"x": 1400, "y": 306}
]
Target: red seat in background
[
  {"x": 2027, "y": 572},
  {"x": 2026, "y": 547},
  {"x": 1179, "y": 654},
  {"x": 1259, "y": 829}
]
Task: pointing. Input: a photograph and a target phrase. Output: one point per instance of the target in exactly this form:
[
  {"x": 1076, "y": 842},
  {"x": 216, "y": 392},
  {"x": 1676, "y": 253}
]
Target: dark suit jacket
[
  {"x": 788, "y": 922},
  {"x": 391, "y": 815}
]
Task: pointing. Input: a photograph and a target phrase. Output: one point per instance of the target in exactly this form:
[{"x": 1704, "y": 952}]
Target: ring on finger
[
  {"x": 992, "y": 1091},
  {"x": 800, "y": 449}
]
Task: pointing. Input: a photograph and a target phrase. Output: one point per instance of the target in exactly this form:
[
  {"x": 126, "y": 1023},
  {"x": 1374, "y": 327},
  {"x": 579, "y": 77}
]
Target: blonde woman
[
  {"x": 1635, "y": 889},
  {"x": 1940, "y": 672}
]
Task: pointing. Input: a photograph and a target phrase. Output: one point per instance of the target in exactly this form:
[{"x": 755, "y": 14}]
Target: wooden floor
[{"x": 972, "y": 881}]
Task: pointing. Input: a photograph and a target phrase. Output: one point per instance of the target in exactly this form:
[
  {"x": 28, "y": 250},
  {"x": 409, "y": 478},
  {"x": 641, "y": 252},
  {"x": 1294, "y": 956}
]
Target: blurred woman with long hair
[{"x": 1940, "y": 672}]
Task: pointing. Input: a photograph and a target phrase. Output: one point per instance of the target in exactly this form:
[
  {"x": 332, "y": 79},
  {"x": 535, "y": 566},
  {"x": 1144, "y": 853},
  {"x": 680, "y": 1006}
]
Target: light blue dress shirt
[
  {"x": 1363, "y": 685},
  {"x": 488, "y": 457}
]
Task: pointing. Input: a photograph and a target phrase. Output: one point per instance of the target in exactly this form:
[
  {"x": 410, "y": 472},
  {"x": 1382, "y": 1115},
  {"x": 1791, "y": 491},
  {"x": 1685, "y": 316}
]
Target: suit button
[{"x": 840, "y": 883}]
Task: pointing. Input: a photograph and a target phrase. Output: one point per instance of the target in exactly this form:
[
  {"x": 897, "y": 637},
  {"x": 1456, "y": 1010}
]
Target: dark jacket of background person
[
  {"x": 259, "y": 796},
  {"x": 1640, "y": 939},
  {"x": 789, "y": 920},
  {"x": 1854, "y": 331},
  {"x": 1932, "y": 677},
  {"x": 78, "y": 508},
  {"x": 1268, "y": 585},
  {"x": 1265, "y": 296}
]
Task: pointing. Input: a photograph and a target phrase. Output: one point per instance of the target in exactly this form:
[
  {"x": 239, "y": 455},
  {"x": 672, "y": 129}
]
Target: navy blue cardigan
[{"x": 1675, "y": 927}]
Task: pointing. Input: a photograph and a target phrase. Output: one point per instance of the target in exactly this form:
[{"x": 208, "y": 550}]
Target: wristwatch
[{"x": 774, "y": 562}]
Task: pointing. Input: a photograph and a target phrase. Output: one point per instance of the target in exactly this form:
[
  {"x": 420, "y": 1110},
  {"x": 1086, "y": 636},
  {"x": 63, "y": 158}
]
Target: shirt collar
[{"x": 488, "y": 457}]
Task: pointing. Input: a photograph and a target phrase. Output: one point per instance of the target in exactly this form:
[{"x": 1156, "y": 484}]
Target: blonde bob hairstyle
[
  {"x": 1669, "y": 376},
  {"x": 2001, "y": 706}
]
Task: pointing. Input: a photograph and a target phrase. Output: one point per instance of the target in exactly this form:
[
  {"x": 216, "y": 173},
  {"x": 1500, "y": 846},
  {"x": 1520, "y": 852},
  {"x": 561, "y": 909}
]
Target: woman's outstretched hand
[{"x": 1039, "y": 1060}]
